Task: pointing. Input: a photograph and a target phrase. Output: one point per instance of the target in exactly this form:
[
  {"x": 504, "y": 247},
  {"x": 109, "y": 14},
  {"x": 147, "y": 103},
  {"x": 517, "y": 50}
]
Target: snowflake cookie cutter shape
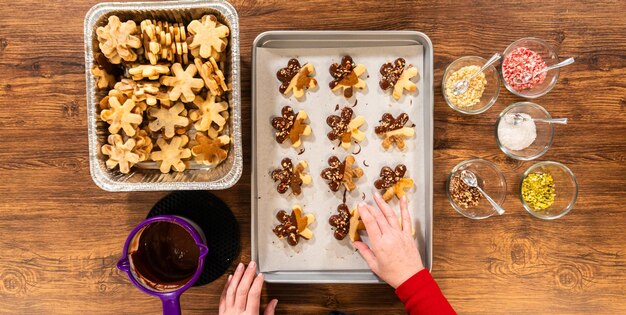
[
  {"x": 347, "y": 76},
  {"x": 209, "y": 37},
  {"x": 341, "y": 173},
  {"x": 296, "y": 78},
  {"x": 209, "y": 151},
  {"x": 393, "y": 182},
  {"x": 183, "y": 85},
  {"x": 168, "y": 119},
  {"x": 291, "y": 176},
  {"x": 121, "y": 116},
  {"x": 291, "y": 126},
  {"x": 210, "y": 116},
  {"x": 394, "y": 130},
  {"x": 118, "y": 40},
  {"x": 344, "y": 128},
  {"x": 398, "y": 78},
  {"x": 294, "y": 226},
  {"x": 172, "y": 154},
  {"x": 120, "y": 153}
]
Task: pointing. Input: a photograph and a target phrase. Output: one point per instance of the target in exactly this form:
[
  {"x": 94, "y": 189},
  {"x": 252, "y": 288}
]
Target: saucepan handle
[{"x": 171, "y": 305}]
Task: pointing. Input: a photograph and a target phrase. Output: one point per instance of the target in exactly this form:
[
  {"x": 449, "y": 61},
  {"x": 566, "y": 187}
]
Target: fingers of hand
[
  {"x": 371, "y": 226},
  {"x": 271, "y": 307},
  {"x": 367, "y": 254},
  {"x": 390, "y": 215},
  {"x": 254, "y": 297},
  {"x": 234, "y": 283},
  {"x": 380, "y": 219},
  {"x": 244, "y": 286},
  {"x": 223, "y": 296},
  {"x": 407, "y": 226}
]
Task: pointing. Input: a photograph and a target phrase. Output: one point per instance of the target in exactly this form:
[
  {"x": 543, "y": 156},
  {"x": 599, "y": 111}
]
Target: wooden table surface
[{"x": 61, "y": 235}]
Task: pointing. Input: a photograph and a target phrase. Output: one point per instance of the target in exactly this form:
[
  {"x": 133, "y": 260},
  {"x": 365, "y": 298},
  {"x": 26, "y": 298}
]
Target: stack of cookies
[{"x": 166, "y": 93}]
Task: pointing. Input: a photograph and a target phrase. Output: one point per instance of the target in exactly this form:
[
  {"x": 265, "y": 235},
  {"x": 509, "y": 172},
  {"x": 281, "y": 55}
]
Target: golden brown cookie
[
  {"x": 341, "y": 173},
  {"x": 291, "y": 126},
  {"x": 183, "y": 85},
  {"x": 168, "y": 119},
  {"x": 209, "y": 151},
  {"x": 209, "y": 114},
  {"x": 150, "y": 72},
  {"x": 396, "y": 77},
  {"x": 347, "y": 76},
  {"x": 103, "y": 79},
  {"x": 138, "y": 91},
  {"x": 344, "y": 127},
  {"x": 291, "y": 177},
  {"x": 296, "y": 78},
  {"x": 118, "y": 40},
  {"x": 393, "y": 181},
  {"x": 172, "y": 154},
  {"x": 120, "y": 153},
  {"x": 143, "y": 144},
  {"x": 294, "y": 226},
  {"x": 121, "y": 117},
  {"x": 209, "y": 36},
  {"x": 213, "y": 77},
  {"x": 394, "y": 130}
]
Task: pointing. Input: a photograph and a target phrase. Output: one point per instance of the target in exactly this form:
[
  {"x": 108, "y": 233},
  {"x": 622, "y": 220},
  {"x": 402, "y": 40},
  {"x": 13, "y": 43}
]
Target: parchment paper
[{"x": 323, "y": 251}]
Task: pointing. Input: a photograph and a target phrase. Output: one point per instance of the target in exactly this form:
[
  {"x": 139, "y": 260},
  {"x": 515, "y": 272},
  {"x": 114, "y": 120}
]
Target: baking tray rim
[
  {"x": 370, "y": 277},
  {"x": 97, "y": 173}
]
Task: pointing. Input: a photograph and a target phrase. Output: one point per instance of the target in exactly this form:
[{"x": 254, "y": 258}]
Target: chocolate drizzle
[
  {"x": 391, "y": 72},
  {"x": 286, "y": 74},
  {"x": 288, "y": 228},
  {"x": 388, "y": 123},
  {"x": 340, "y": 221},
  {"x": 288, "y": 126},
  {"x": 359, "y": 149},
  {"x": 389, "y": 177},
  {"x": 344, "y": 73},
  {"x": 339, "y": 125},
  {"x": 288, "y": 176},
  {"x": 334, "y": 173}
]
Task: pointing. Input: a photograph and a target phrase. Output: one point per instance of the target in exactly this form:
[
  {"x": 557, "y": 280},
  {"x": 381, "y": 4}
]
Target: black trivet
[{"x": 215, "y": 219}]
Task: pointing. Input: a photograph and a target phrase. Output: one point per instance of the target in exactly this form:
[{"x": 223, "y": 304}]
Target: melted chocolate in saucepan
[{"x": 164, "y": 256}]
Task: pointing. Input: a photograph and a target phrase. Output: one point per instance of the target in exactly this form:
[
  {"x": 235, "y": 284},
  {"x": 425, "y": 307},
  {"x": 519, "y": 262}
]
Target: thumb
[
  {"x": 367, "y": 254},
  {"x": 271, "y": 307}
]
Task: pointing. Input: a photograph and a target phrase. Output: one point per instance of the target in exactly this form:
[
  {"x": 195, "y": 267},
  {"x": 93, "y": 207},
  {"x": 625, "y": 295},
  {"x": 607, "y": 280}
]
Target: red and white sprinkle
[{"x": 520, "y": 61}]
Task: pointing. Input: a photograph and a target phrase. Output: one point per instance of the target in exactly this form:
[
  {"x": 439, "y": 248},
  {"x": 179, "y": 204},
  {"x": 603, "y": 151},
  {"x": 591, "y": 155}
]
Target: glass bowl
[
  {"x": 565, "y": 186},
  {"x": 545, "y": 131},
  {"x": 549, "y": 56},
  {"x": 492, "y": 88},
  {"x": 490, "y": 179}
]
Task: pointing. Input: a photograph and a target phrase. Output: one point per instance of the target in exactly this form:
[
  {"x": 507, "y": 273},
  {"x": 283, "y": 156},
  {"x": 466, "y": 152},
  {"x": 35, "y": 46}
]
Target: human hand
[
  {"x": 242, "y": 293},
  {"x": 393, "y": 256}
]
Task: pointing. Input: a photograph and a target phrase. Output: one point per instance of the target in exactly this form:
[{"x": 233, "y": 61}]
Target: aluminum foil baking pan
[{"x": 146, "y": 177}]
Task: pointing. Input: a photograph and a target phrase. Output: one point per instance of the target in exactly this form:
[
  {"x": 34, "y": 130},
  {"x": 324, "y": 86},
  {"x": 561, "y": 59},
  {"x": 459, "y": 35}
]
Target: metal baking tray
[
  {"x": 339, "y": 39},
  {"x": 144, "y": 177}
]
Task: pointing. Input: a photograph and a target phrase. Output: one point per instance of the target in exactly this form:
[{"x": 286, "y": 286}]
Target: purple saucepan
[{"x": 170, "y": 299}]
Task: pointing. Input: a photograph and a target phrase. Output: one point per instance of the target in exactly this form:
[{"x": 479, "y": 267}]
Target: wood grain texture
[{"x": 61, "y": 235}]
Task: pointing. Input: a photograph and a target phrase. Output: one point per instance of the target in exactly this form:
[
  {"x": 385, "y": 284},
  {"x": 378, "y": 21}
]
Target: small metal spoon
[
  {"x": 526, "y": 77},
  {"x": 518, "y": 118},
  {"x": 461, "y": 86},
  {"x": 469, "y": 178}
]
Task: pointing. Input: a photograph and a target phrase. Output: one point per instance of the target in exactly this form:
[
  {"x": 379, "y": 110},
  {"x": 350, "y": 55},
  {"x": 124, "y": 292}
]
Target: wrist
[{"x": 406, "y": 275}]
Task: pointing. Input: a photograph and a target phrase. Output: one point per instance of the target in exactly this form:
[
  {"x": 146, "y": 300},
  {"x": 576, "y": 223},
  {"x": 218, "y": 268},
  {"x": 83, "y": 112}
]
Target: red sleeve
[{"x": 421, "y": 295}]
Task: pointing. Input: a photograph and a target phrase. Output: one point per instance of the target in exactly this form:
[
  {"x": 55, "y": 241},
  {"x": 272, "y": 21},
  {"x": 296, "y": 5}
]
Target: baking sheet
[{"x": 324, "y": 252}]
